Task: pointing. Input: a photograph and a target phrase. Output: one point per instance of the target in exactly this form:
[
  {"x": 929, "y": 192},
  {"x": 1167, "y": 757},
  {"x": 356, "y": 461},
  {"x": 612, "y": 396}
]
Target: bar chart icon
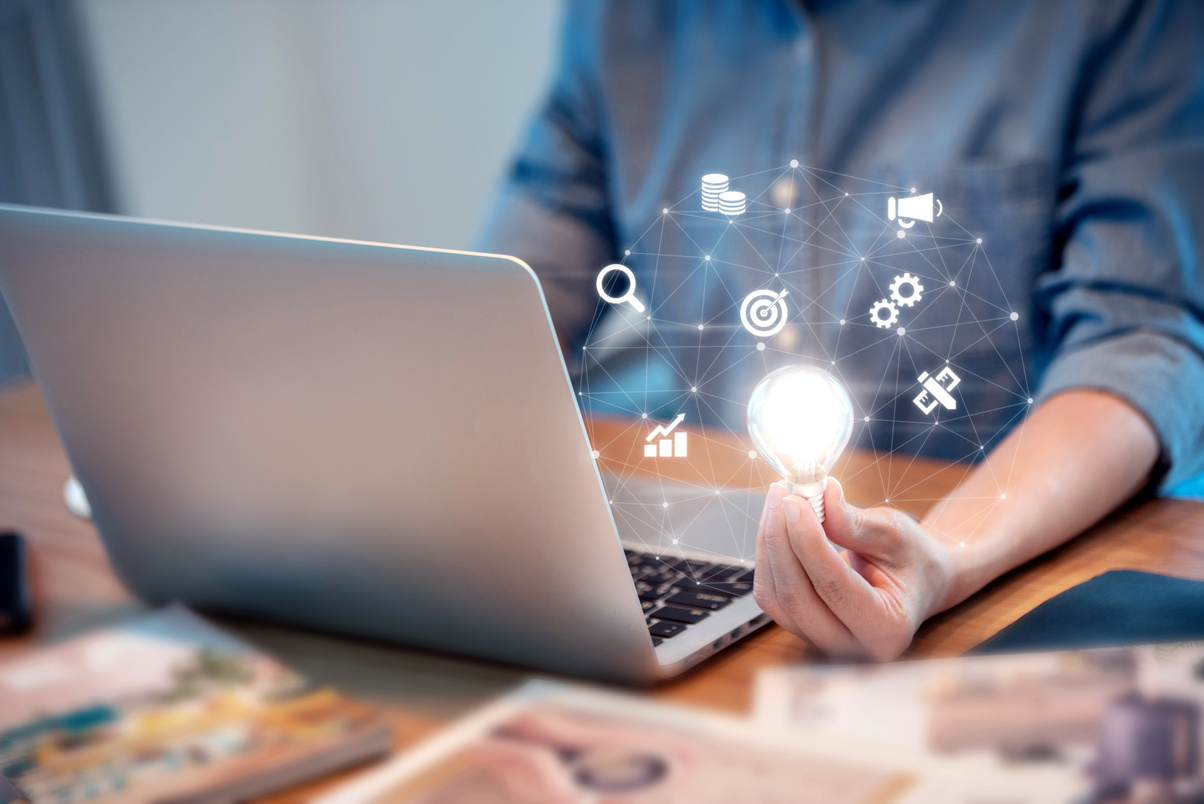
[{"x": 667, "y": 444}]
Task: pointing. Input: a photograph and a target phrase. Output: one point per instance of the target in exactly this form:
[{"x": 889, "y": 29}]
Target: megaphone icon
[{"x": 912, "y": 209}]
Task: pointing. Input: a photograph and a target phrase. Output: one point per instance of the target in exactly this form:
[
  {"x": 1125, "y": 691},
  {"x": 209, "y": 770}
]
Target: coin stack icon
[
  {"x": 732, "y": 203},
  {"x": 713, "y": 185}
]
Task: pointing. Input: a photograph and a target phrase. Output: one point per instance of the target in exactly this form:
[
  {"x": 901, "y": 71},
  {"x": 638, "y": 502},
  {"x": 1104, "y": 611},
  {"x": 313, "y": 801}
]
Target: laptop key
[
  {"x": 666, "y": 630},
  {"x": 699, "y": 600},
  {"x": 659, "y": 578},
  {"x": 657, "y": 641},
  {"x": 680, "y": 615},
  {"x": 721, "y": 572},
  {"x": 690, "y": 567},
  {"x": 746, "y": 577},
  {"x": 652, "y": 593},
  {"x": 647, "y": 605},
  {"x": 731, "y": 589}
]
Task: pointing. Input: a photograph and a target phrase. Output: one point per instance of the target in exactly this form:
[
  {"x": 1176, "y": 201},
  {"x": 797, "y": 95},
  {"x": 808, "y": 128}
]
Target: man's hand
[
  {"x": 866, "y": 602},
  {"x": 1076, "y": 457}
]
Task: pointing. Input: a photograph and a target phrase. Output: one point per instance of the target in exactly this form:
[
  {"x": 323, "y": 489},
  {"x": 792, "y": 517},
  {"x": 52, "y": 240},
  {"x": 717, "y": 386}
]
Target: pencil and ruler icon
[{"x": 936, "y": 391}]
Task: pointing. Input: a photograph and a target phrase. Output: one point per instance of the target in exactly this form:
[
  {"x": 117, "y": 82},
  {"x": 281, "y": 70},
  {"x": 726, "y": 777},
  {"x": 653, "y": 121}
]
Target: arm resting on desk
[{"x": 1077, "y": 457}]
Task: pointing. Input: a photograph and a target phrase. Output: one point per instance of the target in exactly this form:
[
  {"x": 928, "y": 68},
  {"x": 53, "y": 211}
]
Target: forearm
[{"x": 1073, "y": 460}]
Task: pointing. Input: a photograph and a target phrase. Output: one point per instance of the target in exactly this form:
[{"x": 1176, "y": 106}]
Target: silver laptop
[{"x": 358, "y": 438}]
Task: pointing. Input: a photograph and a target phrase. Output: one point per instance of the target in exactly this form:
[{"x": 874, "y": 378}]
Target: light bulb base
[
  {"x": 817, "y": 504},
  {"x": 813, "y": 493}
]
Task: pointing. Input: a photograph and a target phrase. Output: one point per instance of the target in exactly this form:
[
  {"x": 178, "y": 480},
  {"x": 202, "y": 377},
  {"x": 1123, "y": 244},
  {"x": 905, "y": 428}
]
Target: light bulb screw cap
[{"x": 813, "y": 493}]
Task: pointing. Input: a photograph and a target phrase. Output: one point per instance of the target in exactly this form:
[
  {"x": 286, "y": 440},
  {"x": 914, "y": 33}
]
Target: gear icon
[
  {"x": 892, "y": 314},
  {"x": 914, "y": 294}
]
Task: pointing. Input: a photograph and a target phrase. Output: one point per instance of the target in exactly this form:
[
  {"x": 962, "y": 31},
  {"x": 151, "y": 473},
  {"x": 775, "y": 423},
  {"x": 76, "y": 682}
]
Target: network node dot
[
  {"x": 675, "y": 541},
  {"x": 693, "y": 389},
  {"x": 901, "y": 234},
  {"x": 643, "y": 415},
  {"x": 952, "y": 283},
  {"x": 707, "y": 258},
  {"x": 665, "y": 210},
  {"x": 863, "y": 259},
  {"x": 627, "y": 252},
  {"x": 760, "y": 347},
  {"x": 595, "y": 453},
  {"x": 846, "y": 195},
  {"x": 867, "y": 418},
  {"x": 664, "y": 505},
  {"x": 752, "y": 453},
  {"x": 793, "y": 163},
  {"x": 902, "y": 331},
  {"x": 787, "y": 210},
  {"x": 979, "y": 241},
  {"x": 1003, "y": 496},
  {"x": 1030, "y": 400},
  {"x": 1015, "y": 316},
  {"x": 913, "y": 189},
  {"x": 842, "y": 322},
  {"x": 700, "y": 326},
  {"x": 961, "y": 544}
]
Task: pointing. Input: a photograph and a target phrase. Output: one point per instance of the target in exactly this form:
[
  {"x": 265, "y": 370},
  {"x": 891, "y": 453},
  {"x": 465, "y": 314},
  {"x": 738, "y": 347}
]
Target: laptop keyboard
[{"x": 679, "y": 592}]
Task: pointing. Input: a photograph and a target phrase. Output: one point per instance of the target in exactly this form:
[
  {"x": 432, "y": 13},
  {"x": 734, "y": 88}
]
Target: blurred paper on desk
[
  {"x": 1115, "y": 725},
  {"x": 168, "y": 708},
  {"x": 553, "y": 743}
]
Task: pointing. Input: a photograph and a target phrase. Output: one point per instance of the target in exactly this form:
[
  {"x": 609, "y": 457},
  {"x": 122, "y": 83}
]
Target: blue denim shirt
[{"x": 1068, "y": 136}]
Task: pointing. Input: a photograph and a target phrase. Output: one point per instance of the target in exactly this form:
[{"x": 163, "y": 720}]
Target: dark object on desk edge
[
  {"x": 10, "y": 794},
  {"x": 1122, "y": 607},
  {"x": 14, "y": 584}
]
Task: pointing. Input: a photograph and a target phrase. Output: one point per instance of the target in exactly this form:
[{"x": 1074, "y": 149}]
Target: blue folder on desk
[{"x": 1117, "y": 608}]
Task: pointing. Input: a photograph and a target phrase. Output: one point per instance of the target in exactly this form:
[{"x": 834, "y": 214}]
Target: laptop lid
[{"x": 361, "y": 438}]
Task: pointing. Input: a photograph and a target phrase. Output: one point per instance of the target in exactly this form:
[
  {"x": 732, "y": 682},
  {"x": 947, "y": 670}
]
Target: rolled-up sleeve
[
  {"x": 553, "y": 209},
  {"x": 1125, "y": 303}
]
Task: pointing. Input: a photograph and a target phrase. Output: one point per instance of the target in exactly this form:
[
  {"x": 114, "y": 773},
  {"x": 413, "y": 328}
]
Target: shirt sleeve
[
  {"x": 1125, "y": 304},
  {"x": 553, "y": 209}
]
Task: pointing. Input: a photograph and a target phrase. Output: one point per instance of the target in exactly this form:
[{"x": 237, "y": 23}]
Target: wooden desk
[{"x": 75, "y": 589}]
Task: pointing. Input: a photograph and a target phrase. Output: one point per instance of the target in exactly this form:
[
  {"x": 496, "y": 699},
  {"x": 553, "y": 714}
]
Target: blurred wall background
[
  {"x": 373, "y": 119},
  {"x": 381, "y": 120}
]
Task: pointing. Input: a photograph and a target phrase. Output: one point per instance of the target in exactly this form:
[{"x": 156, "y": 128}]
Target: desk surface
[{"x": 75, "y": 588}]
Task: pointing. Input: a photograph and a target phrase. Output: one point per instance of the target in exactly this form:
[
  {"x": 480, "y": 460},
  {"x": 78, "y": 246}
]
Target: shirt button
[{"x": 785, "y": 192}]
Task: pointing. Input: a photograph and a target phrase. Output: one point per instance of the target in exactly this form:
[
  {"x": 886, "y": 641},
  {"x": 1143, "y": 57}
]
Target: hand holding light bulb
[{"x": 868, "y": 600}]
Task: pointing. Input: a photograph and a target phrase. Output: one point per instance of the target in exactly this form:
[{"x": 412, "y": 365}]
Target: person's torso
[{"x": 972, "y": 102}]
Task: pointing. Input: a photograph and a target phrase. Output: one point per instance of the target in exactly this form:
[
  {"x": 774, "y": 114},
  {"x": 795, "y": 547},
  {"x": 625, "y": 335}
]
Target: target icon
[{"x": 763, "y": 312}]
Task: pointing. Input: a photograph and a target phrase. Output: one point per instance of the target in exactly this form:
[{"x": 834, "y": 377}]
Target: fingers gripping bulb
[{"x": 800, "y": 419}]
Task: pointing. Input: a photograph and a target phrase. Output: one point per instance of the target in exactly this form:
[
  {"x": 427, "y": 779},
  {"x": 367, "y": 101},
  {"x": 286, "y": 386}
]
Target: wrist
[{"x": 969, "y": 563}]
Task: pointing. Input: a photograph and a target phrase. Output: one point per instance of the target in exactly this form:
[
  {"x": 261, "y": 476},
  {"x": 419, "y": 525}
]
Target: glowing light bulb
[{"x": 800, "y": 419}]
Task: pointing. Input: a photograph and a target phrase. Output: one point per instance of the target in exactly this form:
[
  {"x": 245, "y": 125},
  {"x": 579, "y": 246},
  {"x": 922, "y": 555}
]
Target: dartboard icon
[{"x": 763, "y": 312}]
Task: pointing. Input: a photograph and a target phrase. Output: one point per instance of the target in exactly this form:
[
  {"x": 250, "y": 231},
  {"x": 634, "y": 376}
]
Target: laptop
[{"x": 365, "y": 439}]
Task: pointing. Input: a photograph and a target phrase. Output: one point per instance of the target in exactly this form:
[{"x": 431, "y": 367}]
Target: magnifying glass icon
[{"x": 628, "y": 296}]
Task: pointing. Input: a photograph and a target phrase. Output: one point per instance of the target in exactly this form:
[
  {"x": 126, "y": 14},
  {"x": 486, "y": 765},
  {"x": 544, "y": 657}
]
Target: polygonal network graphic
[{"x": 877, "y": 283}]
